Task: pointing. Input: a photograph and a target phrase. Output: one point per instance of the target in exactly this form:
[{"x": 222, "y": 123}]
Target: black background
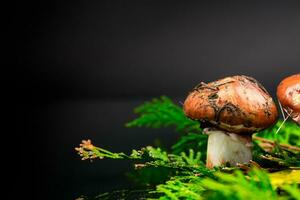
[{"x": 83, "y": 66}]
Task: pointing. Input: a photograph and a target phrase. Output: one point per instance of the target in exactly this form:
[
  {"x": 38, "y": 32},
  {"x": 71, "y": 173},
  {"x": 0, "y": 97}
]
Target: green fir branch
[
  {"x": 162, "y": 112},
  {"x": 238, "y": 186},
  {"x": 182, "y": 172},
  {"x": 150, "y": 156},
  {"x": 293, "y": 190},
  {"x": 195, "y": 141}
]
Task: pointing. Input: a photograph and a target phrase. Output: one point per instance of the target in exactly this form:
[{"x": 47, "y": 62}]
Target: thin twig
[
  {"x": 283, "y": 146},
  {"x": 282, "y": 111},
  {"x": 289, "y": 114},
  {"x": 204, "y": 85}
]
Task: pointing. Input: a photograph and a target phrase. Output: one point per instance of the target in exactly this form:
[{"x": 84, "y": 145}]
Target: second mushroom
[{"x": 231, "y": 109}]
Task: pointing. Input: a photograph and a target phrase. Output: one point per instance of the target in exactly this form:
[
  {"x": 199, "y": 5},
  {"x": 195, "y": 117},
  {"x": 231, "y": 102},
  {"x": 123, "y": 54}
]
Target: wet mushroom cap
[
  {"x": 288, "y": 93},
  {"x": 237, "y": 104}
]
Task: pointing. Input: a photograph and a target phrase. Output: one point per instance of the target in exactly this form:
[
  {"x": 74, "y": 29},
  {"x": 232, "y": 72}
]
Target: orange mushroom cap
[
  {"x": 288, "y": 93},
  {"x": 237, "y": 104}
]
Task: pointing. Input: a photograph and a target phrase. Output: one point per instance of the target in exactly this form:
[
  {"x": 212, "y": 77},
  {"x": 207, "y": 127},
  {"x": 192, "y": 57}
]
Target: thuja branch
[
  {"x": 163, "y": 112},
  {"x": 88, "y": 151},
  {"x": 188, "y": 163}
]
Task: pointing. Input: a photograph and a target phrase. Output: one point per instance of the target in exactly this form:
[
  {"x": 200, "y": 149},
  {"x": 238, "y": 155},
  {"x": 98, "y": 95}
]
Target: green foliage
[
  {"x": 195, "y": 141},
  {"x": 293, "y": 190},
  {"x": 150, "y": 156},
  {"x": 189, "y": 179},
  {"x": 181, "y": 187},
  {"x": 162, "y": 112},
  {"x": 150, "y": 176},
  {"x": 277, "y": 158},
  {"x": 288, "y": 134},
  {"x": 283, "y": 159},
  {"x": 238, "y": 186},
  {"x": 282, "y": 154},
  {"x": 181, "y": 173}
]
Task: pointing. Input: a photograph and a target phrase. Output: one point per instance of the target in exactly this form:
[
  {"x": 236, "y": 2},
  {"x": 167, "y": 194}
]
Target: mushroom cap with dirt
[
  {"x": 232, "y": 109},
  {"x": 288, "y": 94}
]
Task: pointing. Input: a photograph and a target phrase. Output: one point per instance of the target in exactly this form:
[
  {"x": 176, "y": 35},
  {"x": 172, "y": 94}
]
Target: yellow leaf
[{"x": 284, "y": 177}]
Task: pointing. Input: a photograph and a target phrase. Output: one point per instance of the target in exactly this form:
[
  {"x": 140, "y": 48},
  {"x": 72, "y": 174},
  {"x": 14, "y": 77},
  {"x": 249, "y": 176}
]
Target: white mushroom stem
[{"x": 224, "y": 147}]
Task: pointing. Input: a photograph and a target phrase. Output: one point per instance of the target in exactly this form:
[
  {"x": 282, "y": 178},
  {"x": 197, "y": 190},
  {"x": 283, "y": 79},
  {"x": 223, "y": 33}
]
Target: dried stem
[{"x": 273, "y": 143}]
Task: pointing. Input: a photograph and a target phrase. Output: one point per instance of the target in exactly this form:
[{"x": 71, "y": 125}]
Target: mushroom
[
  {"x": 288, "y": 93},
  {"x": 231, "y": 109}
]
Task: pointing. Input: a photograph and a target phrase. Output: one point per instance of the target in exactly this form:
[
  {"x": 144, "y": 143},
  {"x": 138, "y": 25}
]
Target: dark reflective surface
[{"x": 59, "y": 127}]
